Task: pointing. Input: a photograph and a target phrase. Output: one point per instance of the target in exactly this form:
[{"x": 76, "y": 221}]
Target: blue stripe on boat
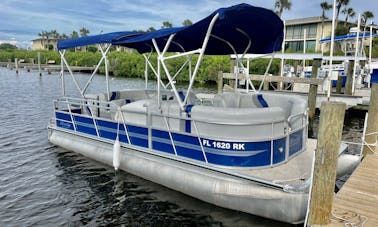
[{"x": 262, "y": 101}]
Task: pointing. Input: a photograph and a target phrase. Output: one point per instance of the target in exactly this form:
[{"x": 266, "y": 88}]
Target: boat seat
[
  {"x": 227, "y": 100},
  {"x": 242, "y": 123}
]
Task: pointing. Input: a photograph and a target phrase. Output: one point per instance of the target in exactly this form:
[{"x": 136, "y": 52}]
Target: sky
[{"x": 22, "y": 20}]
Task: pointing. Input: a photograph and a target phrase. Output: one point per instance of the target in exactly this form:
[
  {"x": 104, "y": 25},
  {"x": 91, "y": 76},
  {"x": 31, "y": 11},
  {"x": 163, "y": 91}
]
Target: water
[{"x": 45, "y": 185}]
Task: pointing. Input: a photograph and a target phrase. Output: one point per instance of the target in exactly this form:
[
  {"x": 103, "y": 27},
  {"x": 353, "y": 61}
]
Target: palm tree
[
  {"x": 366, "y": 16},
  {"x": 54, "y": 34},
  {"x": 151, "y": 29},
  {"x": 280, "y": 5},
  {"x": 84, "y": 32},
  {"x": 45, "y": 35},
  {"x": 74, "y": 34},
  {"x": 349, "y": 13},
  {"x": 167, "y": 24},
  {"x": 325, "y": 6},
  {"x": 339, "y": 4}
]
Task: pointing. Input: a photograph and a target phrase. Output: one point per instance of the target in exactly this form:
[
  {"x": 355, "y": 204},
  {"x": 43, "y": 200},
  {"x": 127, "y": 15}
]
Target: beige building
[
  {"x": 45, "y": 44},
  {"x": 312, "y": 26}
]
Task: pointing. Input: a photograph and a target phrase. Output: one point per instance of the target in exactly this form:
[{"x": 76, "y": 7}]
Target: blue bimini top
[
  {"x": 236, "y": 27},
  {"x": 94, "y": 39}
]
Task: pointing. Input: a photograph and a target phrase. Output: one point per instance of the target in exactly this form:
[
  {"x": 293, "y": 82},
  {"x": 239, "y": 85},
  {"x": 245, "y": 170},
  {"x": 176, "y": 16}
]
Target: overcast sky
[{"x": 22, "y": 20}]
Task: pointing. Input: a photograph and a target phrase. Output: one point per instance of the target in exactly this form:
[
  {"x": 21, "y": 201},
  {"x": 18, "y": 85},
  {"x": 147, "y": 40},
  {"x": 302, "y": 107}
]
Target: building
[
  {"x": 312, "y": 26},
  {"x": 45, "y": 44}
]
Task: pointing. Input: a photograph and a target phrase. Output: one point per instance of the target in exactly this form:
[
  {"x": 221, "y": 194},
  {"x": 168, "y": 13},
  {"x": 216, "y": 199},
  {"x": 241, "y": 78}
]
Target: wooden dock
[
  {"x": 357, "y": 201},
  {"x": 47, "y": 67}
]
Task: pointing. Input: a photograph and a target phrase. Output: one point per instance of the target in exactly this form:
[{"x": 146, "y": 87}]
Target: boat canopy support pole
[
  {"x": 266, "y": 72},
  {"x": 162, "y": 58},
  {"x": 62, "y": 75},
  {"x": 203, "y": 48},
  {"x": 70, "y": 71},
  {"x": 356, "y": 52},
  {"x": 103, "y": 58},
  {"x": 82, "y": 91}
]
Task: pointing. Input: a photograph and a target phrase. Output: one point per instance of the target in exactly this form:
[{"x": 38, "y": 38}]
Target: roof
[
  {"x": 307, "y": 20},
  {"x": 347, "y": 37},
  {"x": 310, "y": 20}
]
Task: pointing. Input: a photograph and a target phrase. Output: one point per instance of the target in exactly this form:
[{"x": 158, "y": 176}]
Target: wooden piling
[
  {"x": 324, "y": 176},
  {"x": 266, "y": 86},
  {"x": 16, "y": 64},
  {"x": 339, "y": 84},
  {"x": 372, "y": 121},
  {"x": 39, "y": 63},
  {"x": 349, "y": 82},
  {"x": 220, "y": 82},
  {"x": 313, "y": 91}
]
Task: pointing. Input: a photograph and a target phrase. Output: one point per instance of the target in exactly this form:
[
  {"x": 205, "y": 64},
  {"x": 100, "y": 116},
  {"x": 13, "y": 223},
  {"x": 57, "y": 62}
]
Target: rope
[
  {"x": 370, "y": 146},
  {"x": 310, "y": 189},
  {"x": 348, "y": 217}
]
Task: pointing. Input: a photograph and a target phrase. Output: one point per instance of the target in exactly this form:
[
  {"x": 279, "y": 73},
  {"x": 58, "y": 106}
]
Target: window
[{"x": 297, "y": 31}]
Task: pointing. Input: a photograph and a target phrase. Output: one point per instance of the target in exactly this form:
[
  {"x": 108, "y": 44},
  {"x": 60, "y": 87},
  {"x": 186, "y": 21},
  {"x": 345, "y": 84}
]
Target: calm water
[{"x": 45, "y": 185}]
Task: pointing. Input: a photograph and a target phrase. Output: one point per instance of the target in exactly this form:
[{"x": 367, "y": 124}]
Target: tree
[
  {"x": 349, "y": 13},
  {"x": 187, "y": 22},
  {"x": 63, "y": 36},
  {"x": 280, "y": 5},
  {"x": 7, "y": 46},
  {"x": 54, "y": 34},
  {"x": 366, "y": 16},
  {"x": 167, "y": 24},
  {"x": 325, "y": 6},
  {"x": 151, "y": 29},
  {"x": 339, "y": 4},
  {"x": 84, "y": 32},
  {"x": 74, "y": 34}
]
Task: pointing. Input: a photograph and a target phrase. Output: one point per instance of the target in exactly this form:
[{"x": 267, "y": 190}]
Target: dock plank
[{"x": 358, "y": 198}]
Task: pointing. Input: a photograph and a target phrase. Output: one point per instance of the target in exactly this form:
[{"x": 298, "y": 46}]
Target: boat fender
[
  {"x": 116, "y": 153},
  {"x": 117, "y": 146}
]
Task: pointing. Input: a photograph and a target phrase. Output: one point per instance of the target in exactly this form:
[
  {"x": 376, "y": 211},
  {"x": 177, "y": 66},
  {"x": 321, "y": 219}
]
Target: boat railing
[{"x": 74, "y": 106}]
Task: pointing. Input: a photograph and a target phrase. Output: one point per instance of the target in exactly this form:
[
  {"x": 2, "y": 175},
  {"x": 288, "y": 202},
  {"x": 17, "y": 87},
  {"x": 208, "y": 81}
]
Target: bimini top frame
[
  {"x": 238, "y": 29},
  {"x": 104, "y": 42}
]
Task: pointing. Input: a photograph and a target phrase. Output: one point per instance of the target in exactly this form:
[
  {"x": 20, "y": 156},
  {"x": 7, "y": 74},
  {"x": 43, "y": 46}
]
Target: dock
[
  {"x": 357, "y": 201},
  {"x": 46, "y": 67},
  {"x": 301, "y": 87}
]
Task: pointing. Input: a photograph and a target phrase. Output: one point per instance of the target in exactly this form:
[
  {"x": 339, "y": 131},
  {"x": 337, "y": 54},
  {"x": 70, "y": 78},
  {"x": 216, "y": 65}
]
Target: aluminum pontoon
[{"x": 240, "y": 151}]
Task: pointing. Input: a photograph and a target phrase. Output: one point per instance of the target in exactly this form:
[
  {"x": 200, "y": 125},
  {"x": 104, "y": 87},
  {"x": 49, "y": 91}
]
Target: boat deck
[{"x": 357, "y": 201}]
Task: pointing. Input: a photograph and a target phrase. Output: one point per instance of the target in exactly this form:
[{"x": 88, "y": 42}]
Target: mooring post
[
  {"x": 339, "y": 84},
  {"x": 39, "y": 63},
  {"x": 324, "y": 176},
  {"x": 349, "y": 82},
  {"x": 220, "y": 81},
  {"x": 231, "y": 82},
  {"x": 372, "y": 121},
  {"x": 16, "y": 64},
  {"x": 266, "y": 86},
  {"x": 313, "y": 91}
]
